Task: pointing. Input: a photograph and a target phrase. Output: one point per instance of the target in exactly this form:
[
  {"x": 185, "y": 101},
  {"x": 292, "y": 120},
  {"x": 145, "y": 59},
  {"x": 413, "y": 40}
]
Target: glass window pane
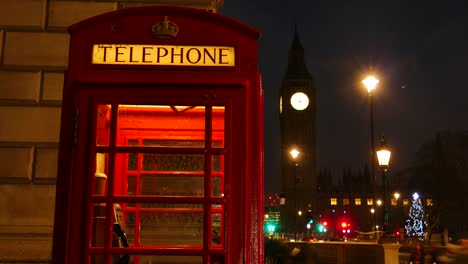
[
  {"x": 217, "y": 222},
  {"x": 129, "y": 218},
  {"x": 99, "y": 225},
  {"x": 183, "y": 229},
  {"x": 218, "y": 127},
  {"x": 162, "y": 175},
  {"x": 131, "y": 185},
  {"x": 171, "y": 185},
  {"x": 165, "y": 125},
  {"x": 217, "y": 178},
  {"x": 103, "y": 125},
  {"x": 161, "y": 259},
  {"x": 174, "y": 143},
  {"x": 217, "y": 189},
  {"x": 173, "y": 162},
  {"x": 171, "y": 207},
  {"x": 218, "y": 163},
  {"x": 216, "y": 229},
  {"x": 163, "y": 224},
  {"x": 132, "y": 161},
  {"x": 172, "y": 228}
]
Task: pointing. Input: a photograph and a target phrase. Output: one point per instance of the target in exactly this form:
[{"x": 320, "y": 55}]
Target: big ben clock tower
[{"x": 297, "y": 120}]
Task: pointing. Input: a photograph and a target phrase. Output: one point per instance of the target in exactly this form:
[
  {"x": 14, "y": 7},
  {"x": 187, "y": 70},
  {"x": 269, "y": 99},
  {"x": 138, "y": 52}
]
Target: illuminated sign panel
[{"x": 163, "y": 55}]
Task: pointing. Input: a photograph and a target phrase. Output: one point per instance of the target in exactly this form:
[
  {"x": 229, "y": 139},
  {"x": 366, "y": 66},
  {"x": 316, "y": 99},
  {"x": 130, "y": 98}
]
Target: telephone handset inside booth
[{"x": 119, "y": 238}]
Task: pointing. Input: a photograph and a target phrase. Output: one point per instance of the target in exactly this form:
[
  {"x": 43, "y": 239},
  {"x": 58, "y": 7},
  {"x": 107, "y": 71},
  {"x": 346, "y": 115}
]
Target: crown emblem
[{"x": 165, "y": 29}]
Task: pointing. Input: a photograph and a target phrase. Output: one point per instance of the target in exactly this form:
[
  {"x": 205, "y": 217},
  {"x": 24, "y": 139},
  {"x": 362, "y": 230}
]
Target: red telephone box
[{"x": 161, "y": 144}]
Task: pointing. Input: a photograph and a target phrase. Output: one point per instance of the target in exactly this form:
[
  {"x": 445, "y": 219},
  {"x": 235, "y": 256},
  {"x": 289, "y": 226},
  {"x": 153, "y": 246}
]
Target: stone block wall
[{"x": 33, "y": 57}]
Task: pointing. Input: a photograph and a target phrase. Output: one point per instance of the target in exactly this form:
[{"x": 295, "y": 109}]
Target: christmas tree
[{"x": 415, "y": 223}]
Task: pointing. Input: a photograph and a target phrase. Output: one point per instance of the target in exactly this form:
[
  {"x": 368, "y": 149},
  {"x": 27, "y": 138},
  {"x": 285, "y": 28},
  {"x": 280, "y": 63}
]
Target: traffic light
[
  {"x": 270, "y": 227},
  {"x": 321, "y": 228},
  {"x": 345, "y": 227}
]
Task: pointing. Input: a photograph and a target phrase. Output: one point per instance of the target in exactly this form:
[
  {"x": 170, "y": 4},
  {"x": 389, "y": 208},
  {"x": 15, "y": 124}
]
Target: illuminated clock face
[{"x": 299, "y": 101}]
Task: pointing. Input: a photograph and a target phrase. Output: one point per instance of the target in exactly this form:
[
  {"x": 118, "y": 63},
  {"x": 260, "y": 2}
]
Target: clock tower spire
[{"x": 297, "y": 122}]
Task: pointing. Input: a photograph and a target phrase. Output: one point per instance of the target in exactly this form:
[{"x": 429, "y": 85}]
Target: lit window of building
[
  {"x": 370, "y": 201},
  {"x": 405, "y": 202},
  {"x": 357, "y": 201},
  {"x": 394, "y": 202},
  {"x": 429, "y": 202},
  {"x": 333, "y": 201},
  {"x": 345, "y": 201}
]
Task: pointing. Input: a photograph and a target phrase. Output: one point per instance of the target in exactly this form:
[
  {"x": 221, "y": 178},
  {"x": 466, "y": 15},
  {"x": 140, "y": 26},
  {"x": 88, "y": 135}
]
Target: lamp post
[
  {"x": 396, "y": 215},
  {"x": 370, "y": 82},
  {"x": 383, "y": 156},
  {"x": 282, "y": 202},
  {"x": 294, "y": 155}
]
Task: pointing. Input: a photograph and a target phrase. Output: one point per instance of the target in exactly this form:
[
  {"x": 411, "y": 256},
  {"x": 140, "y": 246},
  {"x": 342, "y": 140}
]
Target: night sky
[{"x": 418, "y": 49}]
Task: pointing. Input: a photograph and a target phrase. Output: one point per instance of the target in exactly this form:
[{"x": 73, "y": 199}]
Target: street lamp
[
  {"x": 383, "y": 156},
  {"x": 370, "y": 82},
  {"x": 294, "y": 155}
]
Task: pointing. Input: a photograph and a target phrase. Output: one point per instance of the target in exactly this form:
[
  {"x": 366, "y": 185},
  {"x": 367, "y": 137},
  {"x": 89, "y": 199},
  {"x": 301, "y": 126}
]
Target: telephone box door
[
  {"x": 160, "y": 175},
  {"x": 161, "y": 142}
]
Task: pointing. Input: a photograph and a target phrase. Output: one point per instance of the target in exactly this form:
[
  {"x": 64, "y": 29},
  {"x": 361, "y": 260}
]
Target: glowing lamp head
[
  {"x": 294, "y": 153},
  {"x": 383, "y": 154},
  {"x": 370, "y": 82}
]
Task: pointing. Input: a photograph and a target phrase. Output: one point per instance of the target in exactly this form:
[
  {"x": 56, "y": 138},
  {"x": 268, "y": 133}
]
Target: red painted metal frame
[{"x": 84, "y": 82}]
